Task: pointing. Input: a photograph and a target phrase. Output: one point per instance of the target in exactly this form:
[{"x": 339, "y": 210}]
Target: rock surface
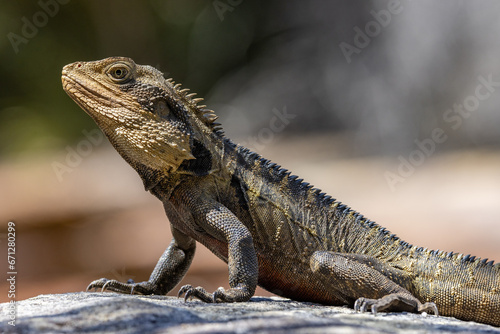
[{"x": 114, "y": 313}]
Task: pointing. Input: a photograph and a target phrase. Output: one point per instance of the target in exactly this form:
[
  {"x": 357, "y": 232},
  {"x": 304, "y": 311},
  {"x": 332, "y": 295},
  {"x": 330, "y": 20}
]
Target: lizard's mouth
[
  {"x": 88, "y": 93},
  {"x": 83, "y": 95}
]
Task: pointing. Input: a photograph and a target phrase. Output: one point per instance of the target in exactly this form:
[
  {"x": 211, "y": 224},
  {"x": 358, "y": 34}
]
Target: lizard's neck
[{"x": 210, "y": 153}]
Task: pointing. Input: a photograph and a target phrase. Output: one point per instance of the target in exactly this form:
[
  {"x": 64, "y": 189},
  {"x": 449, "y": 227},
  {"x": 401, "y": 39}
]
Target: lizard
[{"x": 272, "y": 228}]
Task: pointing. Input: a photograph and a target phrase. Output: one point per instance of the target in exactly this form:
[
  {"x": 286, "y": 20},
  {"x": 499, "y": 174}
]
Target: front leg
[
  {"x": 169, "y": 270},
  {"x": 222, "y": 224}
]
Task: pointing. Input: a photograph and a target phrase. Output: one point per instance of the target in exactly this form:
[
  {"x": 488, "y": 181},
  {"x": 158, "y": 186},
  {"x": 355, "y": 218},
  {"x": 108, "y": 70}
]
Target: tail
[{"x": 461, "y": 286}]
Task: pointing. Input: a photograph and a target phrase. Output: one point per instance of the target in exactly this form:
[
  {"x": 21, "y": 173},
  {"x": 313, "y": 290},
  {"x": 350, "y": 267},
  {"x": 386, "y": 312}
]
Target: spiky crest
[{"x": 207, "y": 116}]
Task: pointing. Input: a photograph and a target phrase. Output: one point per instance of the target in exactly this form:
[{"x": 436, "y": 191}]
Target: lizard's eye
[{"x": 119, "y": 73}]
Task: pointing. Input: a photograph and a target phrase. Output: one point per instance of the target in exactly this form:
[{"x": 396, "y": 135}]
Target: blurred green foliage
[
  {"x": 391, "y": 88},
  {"x": 36, "y": 115}
]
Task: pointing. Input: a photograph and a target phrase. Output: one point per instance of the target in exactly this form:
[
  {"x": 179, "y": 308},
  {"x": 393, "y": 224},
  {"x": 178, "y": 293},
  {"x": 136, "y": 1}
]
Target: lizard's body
[{"x": 271, "y": 228}]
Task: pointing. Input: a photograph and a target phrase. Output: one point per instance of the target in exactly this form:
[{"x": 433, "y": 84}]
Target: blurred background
[{"x": 391, "y": 107}]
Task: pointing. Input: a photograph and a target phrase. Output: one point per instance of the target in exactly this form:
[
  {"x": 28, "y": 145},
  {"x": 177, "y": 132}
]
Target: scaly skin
[{"x": 272, "y": 229}]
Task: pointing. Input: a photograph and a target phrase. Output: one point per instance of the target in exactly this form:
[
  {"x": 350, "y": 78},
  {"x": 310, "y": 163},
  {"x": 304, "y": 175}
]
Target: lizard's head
[{"x": 144, "y": 116}]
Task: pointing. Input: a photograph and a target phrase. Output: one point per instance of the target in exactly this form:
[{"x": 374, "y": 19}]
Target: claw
[
  {"x": 131, "y": 287},
  {"x": 361, "y": 305},
  {"x": 188, "y": 294},
  {"x": 220, "y": 292},
  {"x": 187, "y": 289},
  {"x": 356, "y": 304},
  {"x": 105, "y": 286},
  {"x": 364, "y": 306},
  {"x": 197, "y": 292},
  {"x": 429, "y": 307},
  {"x": 95, "y": 284}
]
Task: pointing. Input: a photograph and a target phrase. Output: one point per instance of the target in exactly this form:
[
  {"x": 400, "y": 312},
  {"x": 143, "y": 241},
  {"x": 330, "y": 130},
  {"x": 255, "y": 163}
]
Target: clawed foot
[
  {"x": 238, "y": 294},
  {"x": 191, "y": 292},
  {"x": 395, "y": 302},
  {"x": 142, "y": 288}
]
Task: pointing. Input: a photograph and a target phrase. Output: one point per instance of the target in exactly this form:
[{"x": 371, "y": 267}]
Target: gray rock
[{"x": 115, "y": 313}]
